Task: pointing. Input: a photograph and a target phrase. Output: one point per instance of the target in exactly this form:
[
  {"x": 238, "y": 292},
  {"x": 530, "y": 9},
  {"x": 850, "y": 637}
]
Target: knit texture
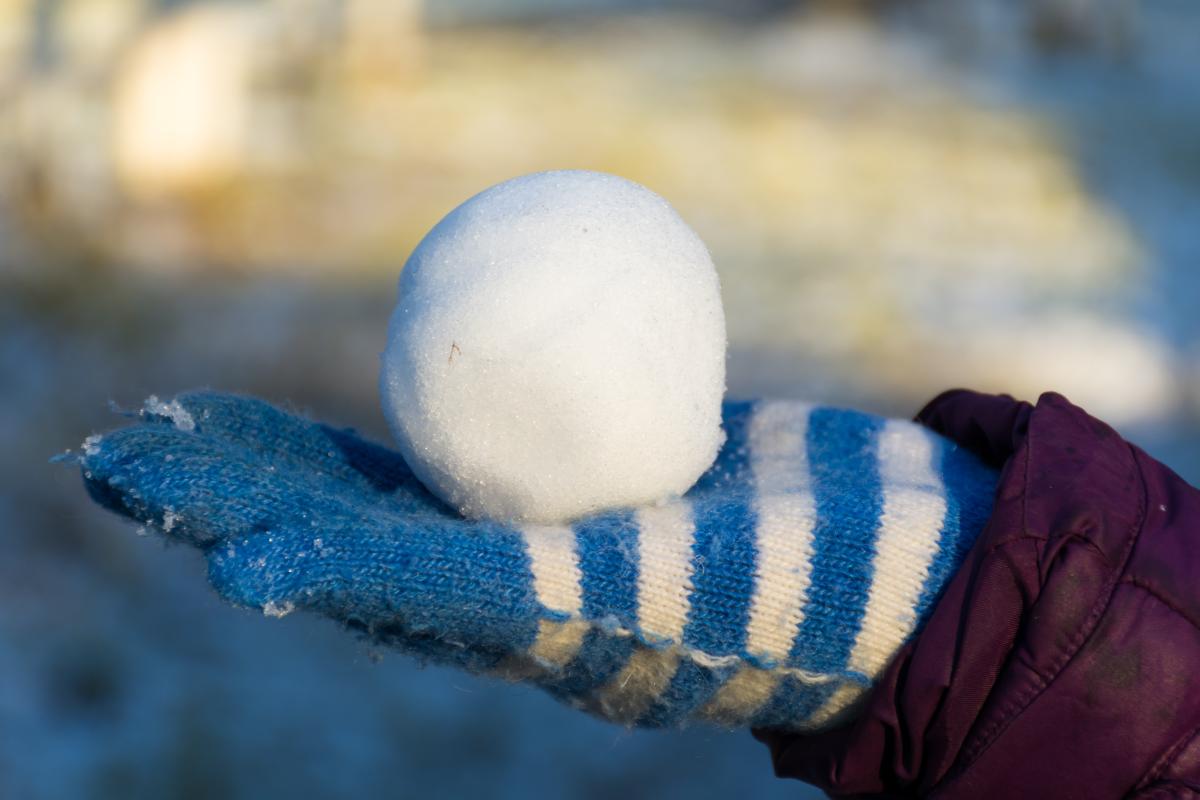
[{"x": 771, "y": 595}]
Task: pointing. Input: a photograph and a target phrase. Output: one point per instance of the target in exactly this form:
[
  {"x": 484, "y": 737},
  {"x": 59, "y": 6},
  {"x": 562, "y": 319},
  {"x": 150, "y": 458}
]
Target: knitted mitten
[{"x": 772, "y": 594}]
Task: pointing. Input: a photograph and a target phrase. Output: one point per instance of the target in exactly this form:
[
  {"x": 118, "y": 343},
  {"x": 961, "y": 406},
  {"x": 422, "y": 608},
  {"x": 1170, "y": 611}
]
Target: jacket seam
[
  {"x": 1178, "y": 790},
  {"x": 1167, "y": 759},
  {"x": 1150, "y": 590},
  {"x": 985, "y": 738}
]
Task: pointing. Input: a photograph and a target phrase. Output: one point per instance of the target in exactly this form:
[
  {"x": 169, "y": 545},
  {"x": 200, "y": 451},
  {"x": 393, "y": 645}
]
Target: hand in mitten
[{"x": 771, "y": 594}]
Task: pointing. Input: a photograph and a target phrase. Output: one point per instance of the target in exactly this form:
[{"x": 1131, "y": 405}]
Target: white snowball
[{"x": 558, "y": 348}]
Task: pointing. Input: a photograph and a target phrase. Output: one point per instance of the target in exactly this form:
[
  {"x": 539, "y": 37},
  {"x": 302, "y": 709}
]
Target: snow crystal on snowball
[
  {"x": 173, "y": 411},
  {"x": 91, "y": 445},
  {"x": 558, "y": 348}
]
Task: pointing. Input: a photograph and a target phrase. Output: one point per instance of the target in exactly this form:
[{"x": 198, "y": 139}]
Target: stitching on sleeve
[
  {"x": 1153, "y": 592},
  {"x": 976, "y": 745}
]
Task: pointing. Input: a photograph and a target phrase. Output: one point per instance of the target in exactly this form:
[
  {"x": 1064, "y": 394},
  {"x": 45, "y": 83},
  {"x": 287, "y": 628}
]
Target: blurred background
[{"x": 901, "y": 196}]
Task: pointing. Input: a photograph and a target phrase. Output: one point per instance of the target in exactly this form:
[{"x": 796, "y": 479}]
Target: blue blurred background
[{"x": 900, "y": 197}]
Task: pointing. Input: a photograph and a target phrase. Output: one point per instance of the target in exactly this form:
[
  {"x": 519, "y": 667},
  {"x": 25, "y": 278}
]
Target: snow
[
  {"x": 172, "y": 411},
  {"x": 278, "y": 610},
  {"x": 558, "y": 348},
  {"x": 202, "y": 695}
]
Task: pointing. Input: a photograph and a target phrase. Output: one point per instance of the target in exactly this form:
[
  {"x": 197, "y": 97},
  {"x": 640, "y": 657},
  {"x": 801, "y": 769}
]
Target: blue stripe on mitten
[{"x": 773, "y": 594}]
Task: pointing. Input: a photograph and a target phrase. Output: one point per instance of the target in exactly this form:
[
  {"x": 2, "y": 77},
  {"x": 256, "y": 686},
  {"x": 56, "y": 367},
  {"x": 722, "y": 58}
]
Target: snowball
[{"x": 558, "y": 348}]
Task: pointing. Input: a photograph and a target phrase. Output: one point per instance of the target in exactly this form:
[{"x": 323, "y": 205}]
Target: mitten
[{"x": 770, "y": 595}]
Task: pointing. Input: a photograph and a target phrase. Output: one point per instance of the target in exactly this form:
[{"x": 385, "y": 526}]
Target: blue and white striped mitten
[{"x": 771, "y": 595}]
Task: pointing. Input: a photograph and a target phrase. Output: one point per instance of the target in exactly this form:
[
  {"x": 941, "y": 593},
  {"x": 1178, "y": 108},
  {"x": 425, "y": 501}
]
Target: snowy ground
[{"x": 125, "y": 677}]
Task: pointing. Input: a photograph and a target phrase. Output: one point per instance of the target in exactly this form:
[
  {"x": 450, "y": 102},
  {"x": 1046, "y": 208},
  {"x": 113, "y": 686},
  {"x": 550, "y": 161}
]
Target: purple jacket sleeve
[{"x": 1063, "y": 659}]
